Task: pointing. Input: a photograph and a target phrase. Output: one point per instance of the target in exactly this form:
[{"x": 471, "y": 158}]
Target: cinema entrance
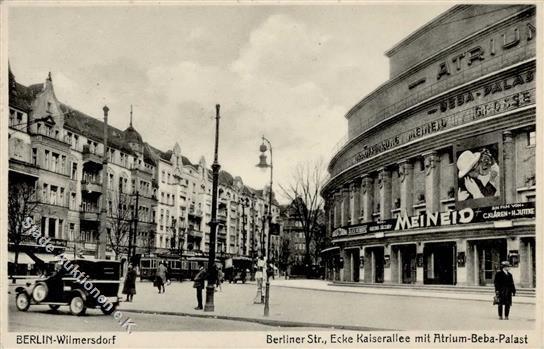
[
  {"x": 440, "y": 263},
  {"x": 403, "y": 263},
  {"x": 485, "y": 258},
  {"x": 374, "y": 264}
]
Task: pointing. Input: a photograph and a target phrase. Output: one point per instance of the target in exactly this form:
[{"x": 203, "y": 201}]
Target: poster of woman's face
[{"x": 478, "y": 173}]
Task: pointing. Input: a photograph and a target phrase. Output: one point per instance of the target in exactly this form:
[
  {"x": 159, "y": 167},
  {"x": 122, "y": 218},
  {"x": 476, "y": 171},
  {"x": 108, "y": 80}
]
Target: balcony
[
  {"x": 196, "y": 212},
  {"x": 195, "y": 233},
  {"x": 89, "y": 215},
  {"x": 91, "y": 155},
  {"x": 91, "y": 187},
  {"x": 222, "y": 216}
]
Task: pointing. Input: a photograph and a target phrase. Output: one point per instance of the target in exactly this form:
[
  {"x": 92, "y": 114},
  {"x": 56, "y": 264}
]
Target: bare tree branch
[{"x": 306, "y": 204}]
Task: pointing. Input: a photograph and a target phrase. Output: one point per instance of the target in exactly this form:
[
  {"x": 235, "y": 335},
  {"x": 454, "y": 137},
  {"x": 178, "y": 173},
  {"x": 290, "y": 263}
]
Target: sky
[{"x": 288, "y": 72}]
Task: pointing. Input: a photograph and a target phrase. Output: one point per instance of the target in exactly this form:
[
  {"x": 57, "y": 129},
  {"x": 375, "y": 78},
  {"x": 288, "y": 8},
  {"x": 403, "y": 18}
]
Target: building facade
[
  {"x": 159, "y": 200},
  {"x": 436, "y": 181}
]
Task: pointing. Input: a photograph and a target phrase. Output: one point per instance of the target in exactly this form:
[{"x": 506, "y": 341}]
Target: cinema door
[{"x": 440, "y": 263}]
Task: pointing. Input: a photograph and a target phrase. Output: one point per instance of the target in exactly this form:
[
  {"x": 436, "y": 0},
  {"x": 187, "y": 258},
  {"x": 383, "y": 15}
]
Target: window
[
  {"x": 162, "y": 176},
  {"x": 73, "y": 175},
  {"x": 133, "y": 185},
  {"x": 44, "y": 192},
  {"x": 34, "y": 156},
  {"x": 61, "y": 197},
  {"x": 46, "y": 159},
  {"x": 531, "y": 138},
  {"x": 61, "y": 228},
  {"x": 71, "y": 232},
  {"x": 53, "y": 195},
  {"x": 76, "y": 141},
  {"x": 168, "y": 178},
  {"x": 54, "y": 162},
  {"x": 72, "y": 201},
  {"x": 162, "y": 217},
  {"x": 110, "y": 181}
]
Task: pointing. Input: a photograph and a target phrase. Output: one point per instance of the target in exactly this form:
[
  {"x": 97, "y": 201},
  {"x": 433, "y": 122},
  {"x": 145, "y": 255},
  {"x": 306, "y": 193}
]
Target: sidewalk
[
  {"x": 446, "y": 294},
  {"x": 313, "y": 303}
]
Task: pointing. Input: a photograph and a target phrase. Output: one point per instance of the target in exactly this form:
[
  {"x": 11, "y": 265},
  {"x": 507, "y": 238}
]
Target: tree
[
  {"x": 22, "y": 204},
  {"x": 120, "y": 221},
  {"x": 285, "y": 257},
  {"x": 306, "y": 204}
]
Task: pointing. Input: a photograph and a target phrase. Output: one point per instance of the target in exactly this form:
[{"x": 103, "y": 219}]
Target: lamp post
[
  {"x": 262, "y": 164},
  {"x": 210, "y": 289}
]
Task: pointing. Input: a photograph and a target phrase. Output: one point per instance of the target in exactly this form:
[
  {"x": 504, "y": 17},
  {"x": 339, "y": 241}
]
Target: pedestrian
[
  {"x": 504, "y": 289},
  {"x": 129, "y": 287},
  {"x": 219, "y": 280},
  {"x": 160, "y": 277},
  {"x": 199, "y": 284}
]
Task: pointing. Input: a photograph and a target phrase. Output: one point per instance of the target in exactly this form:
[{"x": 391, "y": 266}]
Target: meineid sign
[{"x": 466, "y": 215}]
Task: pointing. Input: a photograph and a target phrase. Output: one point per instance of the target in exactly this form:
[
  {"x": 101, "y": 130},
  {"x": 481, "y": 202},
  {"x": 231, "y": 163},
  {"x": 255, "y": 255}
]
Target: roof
[
  {"x": 94, "y": 128},
  {"x": 20, "y": 96},
  {"x": 225, "y": 178}
]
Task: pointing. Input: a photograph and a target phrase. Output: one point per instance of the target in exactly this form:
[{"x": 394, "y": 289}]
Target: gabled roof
[
  {"x": 21, "y": 97},
  {"x": 94, "y": 128}
]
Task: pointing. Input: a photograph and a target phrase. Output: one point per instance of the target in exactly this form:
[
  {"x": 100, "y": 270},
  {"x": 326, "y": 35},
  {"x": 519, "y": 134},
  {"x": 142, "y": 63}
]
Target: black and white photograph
[{"x": 258, "y": 174}]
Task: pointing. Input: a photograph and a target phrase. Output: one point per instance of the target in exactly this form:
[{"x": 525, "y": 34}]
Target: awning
[
  {"x": 46, "y": 257},
  {"x": 23, "y": 258},
  {"x": 330, "y": 249}
]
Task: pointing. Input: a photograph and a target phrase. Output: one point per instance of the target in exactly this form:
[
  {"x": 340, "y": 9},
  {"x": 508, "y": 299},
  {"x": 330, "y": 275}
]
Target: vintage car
[{"x": 95, "y": 285}]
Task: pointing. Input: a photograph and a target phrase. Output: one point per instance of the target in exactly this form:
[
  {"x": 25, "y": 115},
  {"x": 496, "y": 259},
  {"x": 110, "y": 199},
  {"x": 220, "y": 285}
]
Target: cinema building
[{"x": 436, "y": 181}]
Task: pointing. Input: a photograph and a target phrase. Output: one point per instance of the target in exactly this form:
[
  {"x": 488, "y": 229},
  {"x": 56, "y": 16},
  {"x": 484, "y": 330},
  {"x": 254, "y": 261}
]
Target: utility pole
[
  {"x": 134, "y": 230},
  {"x": 210, "y": 288},
  {"x": 102, "y": 238}
]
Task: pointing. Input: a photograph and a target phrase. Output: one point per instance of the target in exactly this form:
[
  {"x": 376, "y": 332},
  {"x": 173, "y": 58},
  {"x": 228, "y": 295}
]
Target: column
[
  {"x": 513, "y": 245},
  {"x": 345, "y": 205},
  {"x": 354, "y": 202},
  {"x": 367, "y": 198},
  {"x": 347, "y": 265},
  {"x": 462, "y": 274},
  {"x": 419, "y": 266},
  {"x": 387, "y": 263},
  {"x": 509, "y": 167},
  {"x": 337, "y": 210},
  {"x": 384, "y": 182},
  {"x": 396, "y": 265},
  {"x": 432, "y": 181},
  {"x": 362, "y": 262},
  {"x": 406, "y": 177}
]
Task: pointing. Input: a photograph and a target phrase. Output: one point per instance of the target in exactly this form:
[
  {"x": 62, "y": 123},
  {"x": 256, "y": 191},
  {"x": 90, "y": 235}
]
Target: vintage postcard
[{"x": 270, "y": 174}]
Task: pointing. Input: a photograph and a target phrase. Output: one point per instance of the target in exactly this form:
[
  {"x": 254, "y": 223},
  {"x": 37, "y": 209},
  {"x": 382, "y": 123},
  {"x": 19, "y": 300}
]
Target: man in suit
[
  {"x": 504, "y": 289},
  {"x": 199, "y": 284}
]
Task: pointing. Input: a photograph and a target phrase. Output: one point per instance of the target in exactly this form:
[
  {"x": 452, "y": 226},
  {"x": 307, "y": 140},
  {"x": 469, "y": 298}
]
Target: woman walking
[
  {"x": 504, "y": 289},
  {"x": 129, "y": 287}
]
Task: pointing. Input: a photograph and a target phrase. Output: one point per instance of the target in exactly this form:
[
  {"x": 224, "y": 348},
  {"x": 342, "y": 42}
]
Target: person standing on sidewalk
[
  {"x": 504, "y": 289},
  {"x": 160, "y": 277},
  {"x": 199, "y": 285},
  {"x": 129, "y": 287}
]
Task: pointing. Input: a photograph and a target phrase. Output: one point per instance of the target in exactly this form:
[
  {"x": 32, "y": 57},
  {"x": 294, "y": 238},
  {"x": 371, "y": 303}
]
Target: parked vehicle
[
  {"x": 62, "y": 288},
  {"x": 184, "y": 268},
  {"x": 238, "y": 269}
]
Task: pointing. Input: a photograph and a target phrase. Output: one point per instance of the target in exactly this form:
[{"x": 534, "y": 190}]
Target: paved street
[
  {"x": 40, "y": 318},
  {"x": 305, "y": 303}
]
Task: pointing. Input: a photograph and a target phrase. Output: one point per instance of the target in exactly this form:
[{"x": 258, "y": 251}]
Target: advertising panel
[{"x": 479, "y": 172}]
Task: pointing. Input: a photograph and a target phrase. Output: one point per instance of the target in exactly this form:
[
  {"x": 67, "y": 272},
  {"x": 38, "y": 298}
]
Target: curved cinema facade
[{"x": 436, "y": 182}]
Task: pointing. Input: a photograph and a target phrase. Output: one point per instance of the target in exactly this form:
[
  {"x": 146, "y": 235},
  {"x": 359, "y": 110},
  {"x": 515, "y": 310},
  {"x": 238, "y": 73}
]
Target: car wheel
[
  {"x": 77, "y": 305},
  {"x": 54, "y": 306},
  {"x": 39, "y": 292},
  {"x": 22, "y": 301},
  {"x": 244, "y": 281},
  {"x": 108, "y": 311}
]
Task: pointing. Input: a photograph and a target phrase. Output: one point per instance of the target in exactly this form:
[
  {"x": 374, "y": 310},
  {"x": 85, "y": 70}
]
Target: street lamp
[
  {"x": 210, "y": 289},
  {"x": 262, "y": 164}
]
